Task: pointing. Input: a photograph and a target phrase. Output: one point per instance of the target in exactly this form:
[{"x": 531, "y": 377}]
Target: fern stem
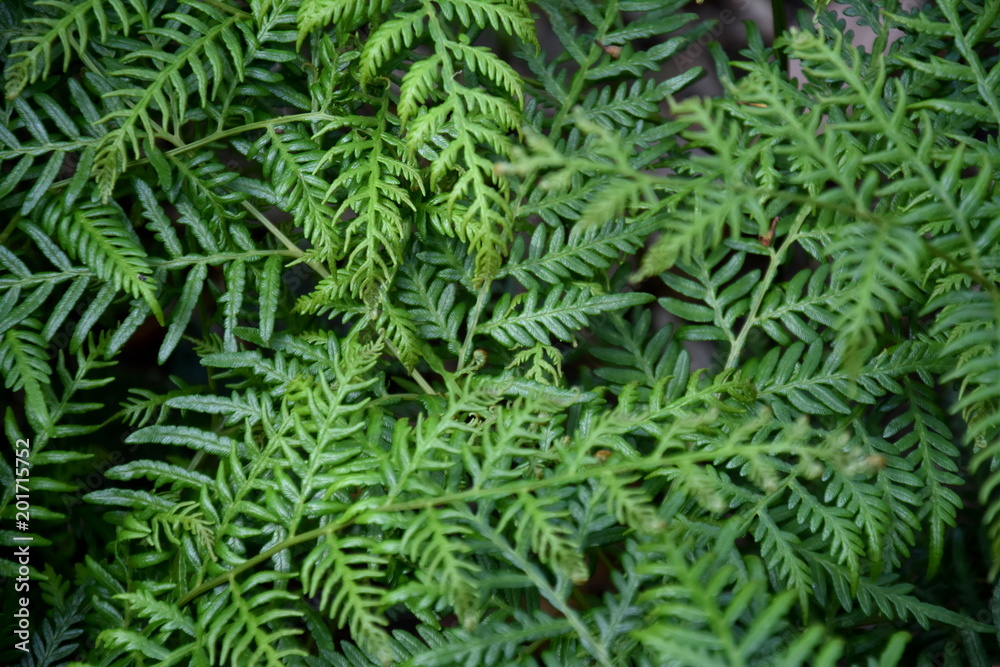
[
  {"x": 218, "y": 258},
  {"x": 173, "y": 152},
  {"x": 9, "y": 229},
  {"x": 473, "y": 322},
  {"x": 579, "y": 77},
  {"x": 780, "y": 22},
  {"x": 296, "y": 251},
  {"x": 548, "y": 592},
  {"x": 309, "y": 117},
  {"x": 777, "y": 258},
  {"x": 415, "y": 374},
  {"x": 46, "y": 149}
]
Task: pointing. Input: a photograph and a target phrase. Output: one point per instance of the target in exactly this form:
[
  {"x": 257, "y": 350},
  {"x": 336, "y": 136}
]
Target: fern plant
[{"x": 365, "y": 333}]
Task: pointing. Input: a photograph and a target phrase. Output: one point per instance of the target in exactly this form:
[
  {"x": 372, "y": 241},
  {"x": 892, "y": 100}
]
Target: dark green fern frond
[
  {"x": 933, "y": 460},
  {"x": 25, "y": 365},
  {"x": 432, "y": 302},
  {"x": 102, "y": 238},
  {"x": 638, "y": 357},
  {"x": 55, "y": 642}
]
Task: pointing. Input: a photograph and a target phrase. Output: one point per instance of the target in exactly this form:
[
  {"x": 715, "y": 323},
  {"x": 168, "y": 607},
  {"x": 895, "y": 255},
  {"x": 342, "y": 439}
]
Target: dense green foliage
[{"x": 424, "y": 266}]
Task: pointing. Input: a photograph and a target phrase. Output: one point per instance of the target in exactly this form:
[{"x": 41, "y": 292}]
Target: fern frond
[
  {"x": 24, "y": 364},
  {"x": 786, "y": 311},
  {"x": 829, "y": 386},
  {"x": 933, "y": 460},
  {"x": 164, "y": 88},
  {"x": 888, "y": 597},
  {"x": 314, "y": 14},
  {"x": 377, "y": 191},
  {"x": 880, "y": 266},
  {"x": 183, "y": 310},
  {"x": 542, "y": 524},
  {"x": 438, "y": 543},
  {"x": 779, "y": 547},
  {"x": 432, "y": 299},
  {"x": 722, "y": 304},
  {"x": 290, "y": 160},
  {"x": 509, "y": 16},
  {"x": 101, "y": 237},
  {"x": 967, "y": 38},
  {"x": 552, "y": 256},
  {"x": 499, "y": 641},
  {"x": 562, "y": 312},
  {"x": 55, "y": 640},
  {"x": 343, "y": 572},
  {"x": 698, "y": 621},
  {"x": 395, "y": 35},
  {"x": 254, "y": 633},
  {"x": 70, "y": 29},
  {"x": 639, "y": 357}
]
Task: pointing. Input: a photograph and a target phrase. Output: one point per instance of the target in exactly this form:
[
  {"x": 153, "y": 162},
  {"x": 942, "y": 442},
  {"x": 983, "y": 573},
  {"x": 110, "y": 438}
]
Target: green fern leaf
[
  {"x": 24, "y": 364},
  {"x": 562, "y": 312}
]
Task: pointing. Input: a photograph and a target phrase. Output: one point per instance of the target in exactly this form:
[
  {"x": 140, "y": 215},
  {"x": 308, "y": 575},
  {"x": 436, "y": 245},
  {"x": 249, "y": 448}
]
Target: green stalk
[{"x": 780, "y": 26}]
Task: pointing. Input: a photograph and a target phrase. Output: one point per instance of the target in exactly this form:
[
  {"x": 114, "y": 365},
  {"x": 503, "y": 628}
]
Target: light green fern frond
[
  {"x": 163, "y": 87},
  {"x": 69, "y": 28}
]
